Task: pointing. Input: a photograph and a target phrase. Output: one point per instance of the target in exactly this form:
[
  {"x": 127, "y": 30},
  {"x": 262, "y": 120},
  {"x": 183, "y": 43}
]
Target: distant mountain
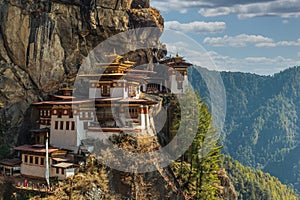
[{"x": 262, "y": 121}]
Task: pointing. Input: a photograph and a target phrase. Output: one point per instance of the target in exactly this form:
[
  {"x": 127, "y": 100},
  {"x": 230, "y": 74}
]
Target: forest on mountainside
[
  {"x": 262, "y": 120},
  {"x": 252, "y": 184}
]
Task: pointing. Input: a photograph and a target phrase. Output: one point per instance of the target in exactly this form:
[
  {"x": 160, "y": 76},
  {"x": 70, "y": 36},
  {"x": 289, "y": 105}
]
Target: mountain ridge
[{"x": 262, "y": 120}]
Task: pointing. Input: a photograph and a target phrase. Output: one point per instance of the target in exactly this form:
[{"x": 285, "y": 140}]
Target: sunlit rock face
[{"x": 43, "y": 43}]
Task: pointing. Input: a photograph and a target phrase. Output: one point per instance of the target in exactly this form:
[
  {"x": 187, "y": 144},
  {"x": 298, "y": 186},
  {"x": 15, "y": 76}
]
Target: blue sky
[{"x": 261, "y": 37}]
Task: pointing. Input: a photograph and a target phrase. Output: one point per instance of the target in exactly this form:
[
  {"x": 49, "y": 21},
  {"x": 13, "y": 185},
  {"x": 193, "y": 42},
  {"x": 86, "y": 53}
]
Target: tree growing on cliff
[{"x": 197, "y": 169}]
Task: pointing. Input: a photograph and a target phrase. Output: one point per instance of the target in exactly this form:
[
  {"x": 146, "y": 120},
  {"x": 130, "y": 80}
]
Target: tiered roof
[
  {"x": 176, "y": 62},
  {"x": 119, "y": 68}
]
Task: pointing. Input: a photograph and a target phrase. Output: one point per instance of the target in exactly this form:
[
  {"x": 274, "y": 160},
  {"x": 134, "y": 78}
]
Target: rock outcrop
[
  {"x": 227, "y": 190},
  {"x": 43, "y": 43}
]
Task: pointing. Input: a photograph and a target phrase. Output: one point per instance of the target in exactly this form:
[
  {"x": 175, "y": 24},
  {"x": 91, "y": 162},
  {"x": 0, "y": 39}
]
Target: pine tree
[{"x": 198, "y": 167}]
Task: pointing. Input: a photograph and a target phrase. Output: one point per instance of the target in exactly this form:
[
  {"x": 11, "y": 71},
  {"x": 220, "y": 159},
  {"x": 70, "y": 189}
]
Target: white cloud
[
  {"x": 179, "y": 5},
  {"x": 281, "y": 8},
  {"x": 243, "y": 40},
  {"x": 298, "y": 54},
  {"x": 196, "y": 26},
  {"x": 219, "y": 11},
  {"x": 236, "y": 41},
  {"x": 258, "y": 65},
  {"x": 268, "y": 61},
  {"x": 243, "y": 9},
  {"x": 280, "y": 43}
]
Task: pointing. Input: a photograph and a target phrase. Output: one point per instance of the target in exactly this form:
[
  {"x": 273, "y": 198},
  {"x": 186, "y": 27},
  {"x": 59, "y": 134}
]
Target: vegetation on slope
[
  {"x": 197, "y": 170},
  {"x": 262, "y": 120},
  {"x": 252, "y": 184},
  {"x": 90, "y": 183}
]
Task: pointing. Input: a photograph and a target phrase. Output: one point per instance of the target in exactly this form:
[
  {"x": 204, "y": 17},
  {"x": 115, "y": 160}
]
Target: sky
[{"x": 261, "y": 37}]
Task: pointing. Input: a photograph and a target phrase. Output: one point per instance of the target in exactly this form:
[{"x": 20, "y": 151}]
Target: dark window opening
[
  {"x": 56, "y": 125},
  {"x": 73, "y": 126},
  {"x": 42, "y": 161},
  {"x": 67, "y": 125},
  {"x": 59, "y": 113},
  {"x": 30, "y": 159},
  {"x": 61, "y": 125},
  {"x": 71, "y": 114},
  {"x": 36, "y": 160}
]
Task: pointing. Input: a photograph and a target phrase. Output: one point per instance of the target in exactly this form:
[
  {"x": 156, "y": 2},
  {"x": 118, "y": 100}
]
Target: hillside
[
  {"x": 252, "y": 184},
  {"x": 262, "y": 121}
]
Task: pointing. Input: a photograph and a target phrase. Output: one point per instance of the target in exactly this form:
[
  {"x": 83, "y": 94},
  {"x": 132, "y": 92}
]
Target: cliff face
[{"x": 42, "y": 44}]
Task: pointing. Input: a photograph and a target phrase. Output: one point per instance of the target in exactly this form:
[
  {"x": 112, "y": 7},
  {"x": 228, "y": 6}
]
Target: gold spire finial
[{"x": 47, "y": 134}]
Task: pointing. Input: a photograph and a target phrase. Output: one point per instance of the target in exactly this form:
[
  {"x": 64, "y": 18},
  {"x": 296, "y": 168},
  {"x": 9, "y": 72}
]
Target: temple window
[
  {"x": 73, "y": 126},
  {"x": 71, "y": 114},
  {"x": 25, "y": 158},
  {"x": 30, "y": 159},
  {"x": 56, "y": 125},
  {"x": 105, "y": 90},
  {"x": 67, "y": 125},
  {"x": 57, "y": 170},
  {"x": 62, "y": 171},
  {"x": 61, "y": 127},
  {"x": 59, "y": 114},
  {"x": 42, "y": 161},
  {"x": 133, "y": 112},
  {"x": 36, "y": 160}
]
